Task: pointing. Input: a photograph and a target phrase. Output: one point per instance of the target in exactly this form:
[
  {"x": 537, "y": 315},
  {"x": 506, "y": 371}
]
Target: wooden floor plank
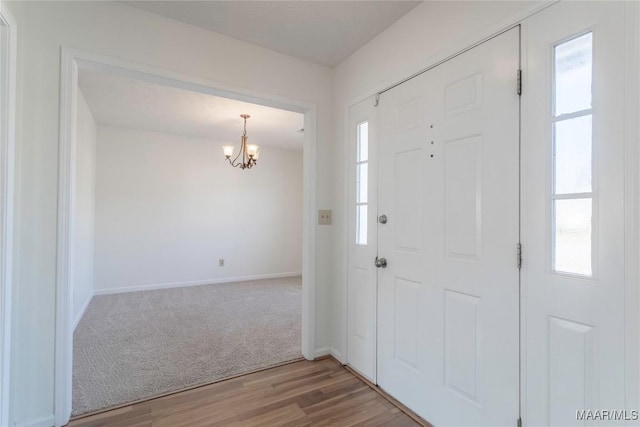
[{"x": 321, "y": 393}]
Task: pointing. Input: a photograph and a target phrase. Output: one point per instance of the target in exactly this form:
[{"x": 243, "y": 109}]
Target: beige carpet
[{"x": 137, "y": 345}]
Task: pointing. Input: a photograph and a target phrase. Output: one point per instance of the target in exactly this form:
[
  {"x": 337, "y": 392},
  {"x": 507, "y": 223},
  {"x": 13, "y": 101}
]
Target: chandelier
[{"x": 249, "y": 152}]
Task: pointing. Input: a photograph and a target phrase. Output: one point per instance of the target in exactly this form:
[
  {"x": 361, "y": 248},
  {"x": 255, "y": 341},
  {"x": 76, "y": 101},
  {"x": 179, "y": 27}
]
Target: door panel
[
  {"x": 409, "y": 212},
  {"x": 362, "y": 281},
  {"x": 573, "y": 194},
  {"x": 448, "y": 181},
  {"x": 461, "y": 344},
  {"x": 462, "y": 201}
]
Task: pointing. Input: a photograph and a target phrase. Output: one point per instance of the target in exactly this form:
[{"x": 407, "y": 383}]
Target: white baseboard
[
  {"x": 321, "y": 352},
  {"x": 48, "y": 421},
  {"x": 155, "y": 286},
  {"x": 329, "y": 351},
  {"x": 338, "y": 355},
  {"x": 82, "y": 310}
]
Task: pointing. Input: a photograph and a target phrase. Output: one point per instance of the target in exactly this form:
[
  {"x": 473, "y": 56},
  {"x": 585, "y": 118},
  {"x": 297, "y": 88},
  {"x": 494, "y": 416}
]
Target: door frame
[
  {"x": 8, "y": 44},
  {"x": 632, "y": 185},
  {"x": 632, "y": 201},
  {"x": 72, "y": 60}
]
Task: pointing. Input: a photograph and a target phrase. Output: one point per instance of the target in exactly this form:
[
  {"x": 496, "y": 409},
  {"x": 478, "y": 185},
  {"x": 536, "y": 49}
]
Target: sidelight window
[
  {"x": 572, "y": 191},
  {"x": 362, "y": 181}
]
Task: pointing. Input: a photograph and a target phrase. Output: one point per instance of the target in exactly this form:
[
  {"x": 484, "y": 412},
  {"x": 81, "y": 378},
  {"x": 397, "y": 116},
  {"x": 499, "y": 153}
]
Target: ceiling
[
  {"x": 121, "y": 101},
  {"x": 324, "y": 32}
]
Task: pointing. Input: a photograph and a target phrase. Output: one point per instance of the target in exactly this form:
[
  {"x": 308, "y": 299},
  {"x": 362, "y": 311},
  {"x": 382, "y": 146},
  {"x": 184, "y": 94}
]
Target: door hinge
[
  {"x": 519, "y": 255},
  {"x": 519, "y": 422},
  {"x": 519, "y": 82}
]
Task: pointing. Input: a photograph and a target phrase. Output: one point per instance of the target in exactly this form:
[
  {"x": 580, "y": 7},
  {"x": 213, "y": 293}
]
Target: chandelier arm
[
  {"x": 236, "y": 157},
  {"x": 236, "y": 160},
  {"x": 232, "y": 163}
]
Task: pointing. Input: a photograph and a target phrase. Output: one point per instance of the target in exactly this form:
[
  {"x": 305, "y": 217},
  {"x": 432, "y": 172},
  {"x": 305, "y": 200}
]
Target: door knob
[
  {"x": 382, "y": 219},
  {"x": 381, "y": 262}
]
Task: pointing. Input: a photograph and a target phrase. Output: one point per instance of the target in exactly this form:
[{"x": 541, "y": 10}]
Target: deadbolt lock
[{"x": 382, "y": 219}]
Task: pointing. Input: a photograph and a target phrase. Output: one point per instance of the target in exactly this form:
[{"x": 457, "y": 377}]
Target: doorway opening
[{"x": 200, "y": 271}]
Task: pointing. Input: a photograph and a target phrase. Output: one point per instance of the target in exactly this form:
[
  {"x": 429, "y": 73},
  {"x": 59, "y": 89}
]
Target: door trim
[
  {"x": 71, "y": 61},
  {"x": 632, "y": 203},
  {"x": 7, "y": 165}
]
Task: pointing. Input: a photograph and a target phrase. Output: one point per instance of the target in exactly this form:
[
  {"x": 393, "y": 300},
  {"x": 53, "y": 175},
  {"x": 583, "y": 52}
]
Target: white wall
[
  {"x": 168, "y": 207},
  {"x": 430, "y": 32},
  {"x": 115, "y": 29},
  {"x": 83, "y": 244}
]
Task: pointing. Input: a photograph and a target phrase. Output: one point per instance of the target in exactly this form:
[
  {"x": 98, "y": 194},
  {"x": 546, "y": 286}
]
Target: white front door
[
  {"x": 574, "y": 227},
  {"x": 362, "y": 235},
  {"x": 448, "y": 299}
]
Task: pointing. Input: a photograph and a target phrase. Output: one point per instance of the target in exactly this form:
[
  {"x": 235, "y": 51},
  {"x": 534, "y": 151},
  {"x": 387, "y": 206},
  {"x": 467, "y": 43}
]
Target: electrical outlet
[
  {"x": 221, "y": 262},
  {"x": 324, "y": 217}
]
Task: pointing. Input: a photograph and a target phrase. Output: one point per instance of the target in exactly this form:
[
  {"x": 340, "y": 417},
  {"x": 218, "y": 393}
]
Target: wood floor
[{"x": 321, "y": 393}]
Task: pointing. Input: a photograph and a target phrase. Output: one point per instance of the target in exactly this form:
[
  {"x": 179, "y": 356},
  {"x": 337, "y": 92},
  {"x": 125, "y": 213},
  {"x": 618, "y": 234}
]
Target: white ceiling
[
  {"x": 325, "y": 32},
  {"x": 121, "y": 101}
]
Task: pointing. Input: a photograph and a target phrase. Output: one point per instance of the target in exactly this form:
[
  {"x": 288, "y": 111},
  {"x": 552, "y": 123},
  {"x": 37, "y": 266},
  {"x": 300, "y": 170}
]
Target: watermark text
[{"x": 606, "y": 415}]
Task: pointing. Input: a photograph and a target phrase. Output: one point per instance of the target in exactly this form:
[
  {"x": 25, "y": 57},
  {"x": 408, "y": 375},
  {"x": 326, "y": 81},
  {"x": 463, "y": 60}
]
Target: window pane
[
  {"x": 361, "y": 225},
  {"x": 572, "y": 252},
  {"x": 573, "y": 75},
  {"x": 363, "y": 180},
  {"x": 363, "y": 142},
  {"x": 572, "y": 155}
]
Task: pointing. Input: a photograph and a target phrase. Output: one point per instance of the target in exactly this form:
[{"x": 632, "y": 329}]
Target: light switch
[{"x": 324, "y": 217}]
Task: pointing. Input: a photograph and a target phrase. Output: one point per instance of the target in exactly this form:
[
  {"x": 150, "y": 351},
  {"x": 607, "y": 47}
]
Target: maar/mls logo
[{"x": 606, "y": 415}]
